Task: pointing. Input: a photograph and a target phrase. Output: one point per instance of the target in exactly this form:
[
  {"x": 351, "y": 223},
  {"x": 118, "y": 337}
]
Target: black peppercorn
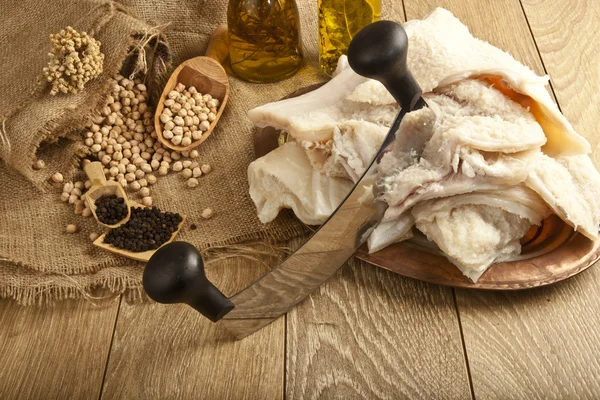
[
  {"x": 147, "y": 229},
  {"x": 110, "y": 209}
]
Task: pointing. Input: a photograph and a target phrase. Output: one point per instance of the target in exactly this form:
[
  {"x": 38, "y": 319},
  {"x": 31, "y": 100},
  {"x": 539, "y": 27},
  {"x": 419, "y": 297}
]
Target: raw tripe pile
[{"x": 491, "y": 156}]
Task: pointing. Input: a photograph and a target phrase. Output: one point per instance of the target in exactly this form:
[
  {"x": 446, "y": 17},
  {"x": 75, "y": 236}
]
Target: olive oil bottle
[
  {"x": 264, "y": 39},
  {"x": 339, "y": 21}
]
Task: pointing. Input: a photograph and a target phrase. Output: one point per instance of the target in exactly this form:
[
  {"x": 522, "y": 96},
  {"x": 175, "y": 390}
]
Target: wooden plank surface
[
  {"x": 542, "y": 343},
  {"x": 371, "y": 334},
  {"x": 171, "y": 351},
  {"x": 567, "y": 33},
  {"x": 56, "y": 352},
  {"x": 367, "y": 333}
]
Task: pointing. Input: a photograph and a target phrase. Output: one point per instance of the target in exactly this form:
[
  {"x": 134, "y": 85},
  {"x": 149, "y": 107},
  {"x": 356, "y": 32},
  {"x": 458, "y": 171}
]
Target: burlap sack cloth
[{"x": 41, "y": 262}]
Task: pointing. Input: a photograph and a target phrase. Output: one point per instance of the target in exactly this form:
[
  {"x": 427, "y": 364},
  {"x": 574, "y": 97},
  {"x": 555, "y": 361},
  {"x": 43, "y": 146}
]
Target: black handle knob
[
  {"x": 175, "y": 274},
  {"x": 379, "y": 52}
]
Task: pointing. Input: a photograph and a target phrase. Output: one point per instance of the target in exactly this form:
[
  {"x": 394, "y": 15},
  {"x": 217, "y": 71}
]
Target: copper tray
[{"x": 550, "y": 253}]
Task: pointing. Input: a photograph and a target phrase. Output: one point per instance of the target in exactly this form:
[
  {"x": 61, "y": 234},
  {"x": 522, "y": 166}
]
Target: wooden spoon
[
  {"x": 102, "y": 187},
  {"x": 207, "y": 75}
]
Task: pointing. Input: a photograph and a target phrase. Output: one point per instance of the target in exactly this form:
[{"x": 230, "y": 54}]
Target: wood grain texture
[
  {"x": 541, "y": 343},
  {"x": 171, "y": 351},
  {"x": 567, "y": 35},
  {"x": 536, "y": 344},
  {"x": 371, "y": 334},
  {"x": 56, "y": 352}
]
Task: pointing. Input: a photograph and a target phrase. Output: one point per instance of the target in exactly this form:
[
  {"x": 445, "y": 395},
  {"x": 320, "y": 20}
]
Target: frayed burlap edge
[
  {"x": 51, "y": 288},
  {"x": 266, "y": 238}
]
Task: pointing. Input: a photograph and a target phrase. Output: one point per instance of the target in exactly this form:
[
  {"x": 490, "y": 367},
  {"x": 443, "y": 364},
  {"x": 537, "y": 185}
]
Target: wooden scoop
[
  {"x": 141, "y": 256},
  {"x": 102, "y": 187},
  {"x": 207, "y": 75}
]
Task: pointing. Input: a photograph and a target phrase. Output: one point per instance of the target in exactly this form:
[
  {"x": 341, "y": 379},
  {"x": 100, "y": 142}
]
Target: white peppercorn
[
  {"x": 147, "y": 201},
  {"x": 177, "y": 166},
  {"x": 163, "y": 171},
  {"x": 78, "y": 207},
  {"x": 71, "y": 228},
  {"x": 146, "y": 168},
  {"x": 192, "y": 182},
  {"x": 151, "y": 179},
  {"x": 207, "y": 213},
  {"x": 139, "y": 161},
  {"x": 187, "y": 173},
  {"x": 57, "y": 177},
  {"x": 94, "y": 236},
  {"x": 144, "y": 192},
  {"x": 176, "y": 140},
  {"x": 197, "y": 172},
  {"x": 64, "y": 196},
  {"x": 130, "y": 177},
  {"x": 206, "y": 168},
  {"x": 194, "y": 153},
  {"x": 204, "y": 126},
  {"x": 135, "y": 186}
]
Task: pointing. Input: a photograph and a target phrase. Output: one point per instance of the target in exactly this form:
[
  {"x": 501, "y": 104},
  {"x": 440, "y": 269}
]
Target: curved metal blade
[{"x": 316, "y": 260}]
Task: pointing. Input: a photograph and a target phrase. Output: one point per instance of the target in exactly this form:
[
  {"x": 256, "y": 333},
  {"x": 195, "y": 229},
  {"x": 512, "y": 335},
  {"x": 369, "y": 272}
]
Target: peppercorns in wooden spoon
[{"x": 101, "y": 188}]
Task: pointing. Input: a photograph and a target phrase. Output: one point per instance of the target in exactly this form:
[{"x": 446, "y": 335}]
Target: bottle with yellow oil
[
  {"x": 264, "y": 39},
  {"x": 339, "y": 21}
]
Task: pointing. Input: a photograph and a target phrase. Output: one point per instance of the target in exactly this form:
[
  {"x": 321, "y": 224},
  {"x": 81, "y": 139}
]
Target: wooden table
[{"x": 367, "y": 333}]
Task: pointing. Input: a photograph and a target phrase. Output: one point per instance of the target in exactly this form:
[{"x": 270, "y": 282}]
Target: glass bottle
[
  {"x": 264, "y": 39},
  {"x": 339, "y": 21}
]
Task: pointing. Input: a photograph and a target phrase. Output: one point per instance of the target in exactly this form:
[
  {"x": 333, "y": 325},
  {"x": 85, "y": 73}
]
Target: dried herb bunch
[{"x": 74, "y": 60}]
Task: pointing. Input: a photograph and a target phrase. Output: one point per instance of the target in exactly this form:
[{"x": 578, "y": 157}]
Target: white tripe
[{"x": 491, "y": 156}]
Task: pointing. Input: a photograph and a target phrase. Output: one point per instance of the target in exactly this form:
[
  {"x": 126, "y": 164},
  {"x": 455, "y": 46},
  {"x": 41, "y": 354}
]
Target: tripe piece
[{"x": 284, "y": 178}]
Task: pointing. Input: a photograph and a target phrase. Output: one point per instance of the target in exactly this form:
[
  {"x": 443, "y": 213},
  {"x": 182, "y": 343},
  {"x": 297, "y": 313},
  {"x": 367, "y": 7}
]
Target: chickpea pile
[
  {"x": 187, "y": 115},
  {"x": 123, "y": 139}
]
